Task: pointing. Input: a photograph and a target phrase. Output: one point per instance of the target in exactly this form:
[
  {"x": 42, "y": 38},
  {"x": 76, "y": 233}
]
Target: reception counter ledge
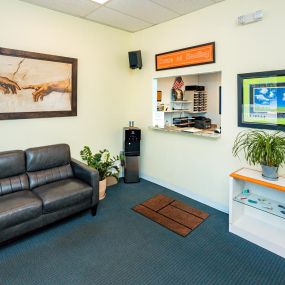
[{"x": 191, "y": 131}]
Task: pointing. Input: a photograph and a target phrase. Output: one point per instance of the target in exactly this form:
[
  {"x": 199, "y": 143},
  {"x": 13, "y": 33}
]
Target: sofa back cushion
[
  {"x": 38, "y": 178},
  {"x": 12, "y": 172},
  {"x": 12, "y": 163},
  {"x": 46, "y": 157},
  {"x": 48, "y": 164},
  {"x": 13, "y": 184}
]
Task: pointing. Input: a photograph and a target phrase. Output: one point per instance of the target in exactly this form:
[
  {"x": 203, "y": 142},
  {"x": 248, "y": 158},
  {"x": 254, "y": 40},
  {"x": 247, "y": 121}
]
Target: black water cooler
[{"x": 131, "y": 143}]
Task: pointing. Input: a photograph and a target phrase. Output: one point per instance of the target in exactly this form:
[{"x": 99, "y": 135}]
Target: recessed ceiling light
[{"x": 100, "y": 1}]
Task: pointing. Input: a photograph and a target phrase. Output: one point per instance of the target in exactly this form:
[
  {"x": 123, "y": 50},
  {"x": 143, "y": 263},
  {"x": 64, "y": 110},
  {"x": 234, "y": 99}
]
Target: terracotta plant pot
[
  {"x": 111, "y": 181},
  {"x": 102, "y": 189}
]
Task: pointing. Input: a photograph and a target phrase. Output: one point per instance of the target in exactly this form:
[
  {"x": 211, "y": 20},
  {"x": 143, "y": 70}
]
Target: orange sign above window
[{"x": 196, "y": 55}]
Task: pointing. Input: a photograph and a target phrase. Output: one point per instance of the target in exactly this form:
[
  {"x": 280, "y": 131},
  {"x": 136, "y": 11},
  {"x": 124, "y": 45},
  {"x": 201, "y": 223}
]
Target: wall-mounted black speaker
[{"x": 135, "y": 59}]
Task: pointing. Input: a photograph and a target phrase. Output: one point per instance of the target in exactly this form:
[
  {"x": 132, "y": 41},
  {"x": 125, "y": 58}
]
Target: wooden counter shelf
[{"x": 209, "y": 133}]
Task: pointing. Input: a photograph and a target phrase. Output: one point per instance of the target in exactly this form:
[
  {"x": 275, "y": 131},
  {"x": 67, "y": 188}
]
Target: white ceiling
[{"x": 128, "y": 15}]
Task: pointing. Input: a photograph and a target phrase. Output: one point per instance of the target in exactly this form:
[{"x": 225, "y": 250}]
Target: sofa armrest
[{"x": 89, "y": 175}]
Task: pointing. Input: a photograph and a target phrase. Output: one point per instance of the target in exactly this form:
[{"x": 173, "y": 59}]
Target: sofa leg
[{"x": 94, "y": 210}]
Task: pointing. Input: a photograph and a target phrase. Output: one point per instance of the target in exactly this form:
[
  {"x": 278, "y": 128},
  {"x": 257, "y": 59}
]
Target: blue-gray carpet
[{"x": 119, "y": 246}]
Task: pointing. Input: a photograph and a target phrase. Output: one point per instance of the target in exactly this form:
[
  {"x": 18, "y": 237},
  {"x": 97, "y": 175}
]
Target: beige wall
[
  {"x": 109, "y": 94},
  {"x": 103, "y": 77},
  {"x": 196, "y": 166}
]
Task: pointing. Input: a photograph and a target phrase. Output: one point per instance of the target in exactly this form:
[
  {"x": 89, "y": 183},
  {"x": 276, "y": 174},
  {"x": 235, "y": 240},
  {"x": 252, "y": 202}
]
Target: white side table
[{"x": 257, "y": 209}]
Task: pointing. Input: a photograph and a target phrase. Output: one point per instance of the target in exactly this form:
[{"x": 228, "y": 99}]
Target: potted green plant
[
  {"x": 106, "y": 165},
  {"x": 260, "y": 147}
]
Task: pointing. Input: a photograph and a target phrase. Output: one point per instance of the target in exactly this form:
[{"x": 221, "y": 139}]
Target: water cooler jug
[{"x": 131, "y": 143}]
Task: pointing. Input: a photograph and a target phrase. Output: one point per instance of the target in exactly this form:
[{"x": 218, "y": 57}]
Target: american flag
[{"x": 178, "y": 83}]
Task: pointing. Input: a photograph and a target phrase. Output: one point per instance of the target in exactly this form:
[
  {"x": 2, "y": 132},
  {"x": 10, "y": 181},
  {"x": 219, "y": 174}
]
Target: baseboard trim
[{"x": 186, "y": 193}]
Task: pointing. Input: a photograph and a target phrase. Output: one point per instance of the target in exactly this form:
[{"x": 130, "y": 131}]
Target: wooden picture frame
[
  {"x": 36, "y": 85},
  {"x": 261, "y": 100},
  {"x": 190, "y": 56}
]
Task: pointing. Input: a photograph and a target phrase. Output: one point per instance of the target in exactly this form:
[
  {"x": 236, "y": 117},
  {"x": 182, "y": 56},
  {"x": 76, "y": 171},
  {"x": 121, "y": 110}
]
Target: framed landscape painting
[
  {"x": 261, "y": 100},
  {"x": 35, "y": 85}
]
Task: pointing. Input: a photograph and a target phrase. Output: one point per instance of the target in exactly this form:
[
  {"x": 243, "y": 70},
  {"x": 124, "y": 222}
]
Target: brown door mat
[
  {"x": 157, "y": 202},
  {"x": 172, "y": 214}
]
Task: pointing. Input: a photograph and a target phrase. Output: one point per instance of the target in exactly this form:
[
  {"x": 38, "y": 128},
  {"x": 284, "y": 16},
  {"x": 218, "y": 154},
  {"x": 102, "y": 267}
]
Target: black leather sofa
[{"x": 42, "y": 185}]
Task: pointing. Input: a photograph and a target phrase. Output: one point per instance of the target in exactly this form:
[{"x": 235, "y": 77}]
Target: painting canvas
[
  {"x": 262, "y": 100},
  {"x": 34, "y": 85}
]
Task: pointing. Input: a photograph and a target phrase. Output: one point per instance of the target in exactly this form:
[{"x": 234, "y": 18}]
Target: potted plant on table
[
  {"x": 260, "y": 147},
  {"x": 106, "y": 165}
]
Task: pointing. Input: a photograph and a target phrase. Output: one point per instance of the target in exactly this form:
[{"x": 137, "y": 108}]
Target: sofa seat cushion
[
  {"x": 18, "y": 207},
  {"x": 64, "y": 193}
]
